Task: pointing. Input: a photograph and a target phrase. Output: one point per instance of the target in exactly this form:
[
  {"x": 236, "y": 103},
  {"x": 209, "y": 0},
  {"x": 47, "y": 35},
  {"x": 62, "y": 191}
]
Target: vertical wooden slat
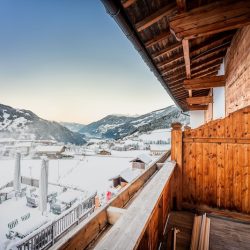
[
  {"x": 199, "y": 172},
  {"x": 176, "y": 155},
  {"x": 220, "y": 193}
]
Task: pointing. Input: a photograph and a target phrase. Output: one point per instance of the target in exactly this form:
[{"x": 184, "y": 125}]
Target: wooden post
[{"x": 176, "y": 155}]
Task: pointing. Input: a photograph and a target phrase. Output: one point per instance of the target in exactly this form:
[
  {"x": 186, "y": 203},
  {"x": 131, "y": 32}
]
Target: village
[{"x": 78, "y": 180}]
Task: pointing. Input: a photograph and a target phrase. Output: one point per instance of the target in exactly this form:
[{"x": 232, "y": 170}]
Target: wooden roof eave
[{"x": 115, "y": 10}]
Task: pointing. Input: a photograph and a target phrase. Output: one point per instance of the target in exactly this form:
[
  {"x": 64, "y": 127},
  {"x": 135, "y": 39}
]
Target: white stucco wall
[
  {"x": 196, "y": 118},
  {"x": 219, "y": 98}
]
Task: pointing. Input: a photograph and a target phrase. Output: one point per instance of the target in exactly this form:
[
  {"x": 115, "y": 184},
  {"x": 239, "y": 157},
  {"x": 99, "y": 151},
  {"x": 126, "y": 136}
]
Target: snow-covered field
[{"x": 89, "y": 173}]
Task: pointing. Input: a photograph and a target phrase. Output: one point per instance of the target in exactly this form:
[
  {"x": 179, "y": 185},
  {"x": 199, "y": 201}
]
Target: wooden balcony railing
[
  {"x": 213, "y": 163},
  {"x": 146, "y": 207}
]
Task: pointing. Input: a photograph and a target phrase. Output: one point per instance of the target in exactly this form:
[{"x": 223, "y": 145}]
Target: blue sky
[{"x": 67, "y": 60}]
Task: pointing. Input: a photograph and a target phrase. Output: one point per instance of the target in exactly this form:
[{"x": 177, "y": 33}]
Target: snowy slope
[
  {"x": 72, "y": 126},
  {"x": 116, "y": 127},
  {"x": 24, "y": 124}
]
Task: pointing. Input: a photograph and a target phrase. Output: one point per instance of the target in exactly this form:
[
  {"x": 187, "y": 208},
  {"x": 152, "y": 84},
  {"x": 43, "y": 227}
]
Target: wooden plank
[
  {"x": 199, "y": 100},
  {"x": 216, "y": 140},
  {"x": 211, "y": 19},
  {"x": 167, "y": 50},
  {"x": 176, "y": 155},
  {"x": 220, "y": 193},
  {"x": 156, "y": 39},
  {"x": 114, "y": 213},
  {"x": 138, "y": 216},
  {"x": 185, "y": 45},
  {"x": 128, "y": 3},
  {"x": 195, "y": 233},
  {"x": 205, "y": 72},
  {"x": 155, "y": 17},
  {"x": 198, "y": 107},
  {"x": 181, "y": 5},
  {"x": 199, "y": 173},
  {"x": 170, "y": 60},
  {"x": 223, "y": 41},
  {"x": 205, "y": 82}
]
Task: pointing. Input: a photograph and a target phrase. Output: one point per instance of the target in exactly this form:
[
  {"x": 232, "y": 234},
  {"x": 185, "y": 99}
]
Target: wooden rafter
[
  {"x": 211, "y": 44},
  {"x": 170, "y": 60},
  {"x": 155, "y": 17},
  {"x": 197, "y": 107},
  {"x": 204, "y": 82},
  {"x": 205, "y": 69},
  {"x": 161, "y": 37},
  {"x": 209, "y": 73},
  {"x": 208, "y": 54},
  {"x": 128, "y": 3},
  {"x": 168, "y": 70},
  {"x": 208, "y": 63},
  {"x": 211, "y": 19},
  {"x": 166, "y": 50}
]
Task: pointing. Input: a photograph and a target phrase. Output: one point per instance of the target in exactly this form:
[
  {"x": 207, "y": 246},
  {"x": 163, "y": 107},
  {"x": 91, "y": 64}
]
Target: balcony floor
[{"x": 225, "y": 233}]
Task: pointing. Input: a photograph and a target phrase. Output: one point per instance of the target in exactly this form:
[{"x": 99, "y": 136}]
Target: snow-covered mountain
[
  {"x": 73, "y": 126},
  {"x": 24, "y": 124},
  {"x": 118, "y": 126}
]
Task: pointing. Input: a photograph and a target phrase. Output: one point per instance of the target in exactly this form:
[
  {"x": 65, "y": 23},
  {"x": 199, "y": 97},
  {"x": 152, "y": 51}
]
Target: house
[
  {"x": 125, "y": 177},
  {"x": 53, "y": 152},
  {"x": 141, "y": 161},
  {"x": 104, "y": 152}
]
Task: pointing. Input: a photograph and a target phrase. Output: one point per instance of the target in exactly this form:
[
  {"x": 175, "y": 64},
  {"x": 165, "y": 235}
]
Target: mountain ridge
[{"x": 24, "y": 124}]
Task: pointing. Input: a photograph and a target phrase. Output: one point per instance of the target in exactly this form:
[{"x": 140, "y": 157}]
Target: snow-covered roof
[
  {"x": 130, "y": 174},
  {"x": 144, "y": 158},
  {"x": 49, "y": 149},
  {"x": 68, "y": 196}
]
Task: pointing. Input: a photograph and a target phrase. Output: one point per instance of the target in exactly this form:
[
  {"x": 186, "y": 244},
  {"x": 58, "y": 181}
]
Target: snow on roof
[
  {"x": 68, "y": 196},
  {"x": 130, "y": 174},
  {"x": 49, "y": 149},
  {"x": 23, "y": 144},
  {"x": 159, "y": 147},
  {"x": 143, "y": 157}
]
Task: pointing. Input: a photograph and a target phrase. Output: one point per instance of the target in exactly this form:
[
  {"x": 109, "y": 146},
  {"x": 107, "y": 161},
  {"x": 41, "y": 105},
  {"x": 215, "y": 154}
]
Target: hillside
[
  {"x": 116, "y": 126},
  {"x": 24, "y": 124}
]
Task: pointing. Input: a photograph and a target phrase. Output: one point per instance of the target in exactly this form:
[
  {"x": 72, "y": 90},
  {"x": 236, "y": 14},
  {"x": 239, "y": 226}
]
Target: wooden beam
[
  {"x": 185, "y": 45},
  {"x": 172, "y": 68},
  {"x": 166, "y": 50},
  {"x": 170, "y": 60},
  {"x": 224, "y": 41},
  {"x": 211, "y": 19},
  {"x": 206, "y": 68},
  {"x": 201, "y": 65},
  {"x": 199, "y": 100},
  {"x": 155, "y": 17},
  {"x": 205, "y": 82},
  {"x": 210, "y": 73},
  {"x": 181, "y": 5},
  {"x": 159, "y": 38},
  {"x": 128, "y": 3},
  {"x": 211, "y": 54},
  {"x": 176, "y": 77},
  {"x": 114, "y": 213},
  {"x": 197, "y": 107},
  {"x": 212, "y": 69}
]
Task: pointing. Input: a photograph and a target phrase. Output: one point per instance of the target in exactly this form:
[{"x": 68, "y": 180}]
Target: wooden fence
[{"x": 214, "y": 163}]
